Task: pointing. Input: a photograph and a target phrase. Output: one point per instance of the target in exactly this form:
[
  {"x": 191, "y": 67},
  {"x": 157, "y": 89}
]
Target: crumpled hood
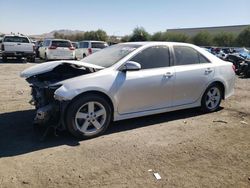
[{"x": 49, "y": 66}]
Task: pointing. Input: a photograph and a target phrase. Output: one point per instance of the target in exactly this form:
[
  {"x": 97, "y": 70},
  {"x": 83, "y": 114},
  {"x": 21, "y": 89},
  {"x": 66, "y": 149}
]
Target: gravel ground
[{"x": 187, "y": 148}]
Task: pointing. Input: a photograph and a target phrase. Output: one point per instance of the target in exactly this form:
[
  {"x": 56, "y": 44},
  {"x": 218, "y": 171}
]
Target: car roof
[
  {"x": 93, "y": 41},
  {"x": 159, "y": 43},
  {"x": 15, "y": 36},
  {"x": 59, "y": 40}
]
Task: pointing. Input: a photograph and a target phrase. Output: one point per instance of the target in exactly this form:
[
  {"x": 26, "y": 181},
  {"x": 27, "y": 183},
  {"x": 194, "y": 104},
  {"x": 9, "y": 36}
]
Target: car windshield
[
  {"x": 59, "y": 43},
  {"x": 16, "y": 39},
  {"x": 110, "y": 55}
]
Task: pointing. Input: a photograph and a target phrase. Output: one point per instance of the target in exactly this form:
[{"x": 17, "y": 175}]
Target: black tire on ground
[
  {"x": 77, "y": 105},
  {"x": 45, "y": 57},
  {"x": 32, "y": 59},
  {"x": 19, "y": 58},
  {"x": 40, "y": 56},
  {"x": 212, "y": 106},
  {"x": 246, "y": 73},
  {"x": 4, "y": 58},
  {"x": 83, "y": 55}
]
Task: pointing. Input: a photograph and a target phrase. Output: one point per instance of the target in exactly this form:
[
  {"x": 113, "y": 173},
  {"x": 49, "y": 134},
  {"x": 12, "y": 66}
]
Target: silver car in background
[{"x": 125, "y": 81}]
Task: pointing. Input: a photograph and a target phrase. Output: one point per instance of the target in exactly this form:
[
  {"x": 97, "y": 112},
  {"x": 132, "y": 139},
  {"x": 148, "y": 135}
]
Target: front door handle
[{"x": 168, "y": 74}]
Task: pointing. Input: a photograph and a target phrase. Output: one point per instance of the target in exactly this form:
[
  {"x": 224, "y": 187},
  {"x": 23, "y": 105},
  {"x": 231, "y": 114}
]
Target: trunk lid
[{"x": 18, "y": 47}]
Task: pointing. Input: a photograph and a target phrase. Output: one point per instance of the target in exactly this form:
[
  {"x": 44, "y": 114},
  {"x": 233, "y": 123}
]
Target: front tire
[
  {"x": 88, "y": 116},
  {"x": 211, "y": 99}
]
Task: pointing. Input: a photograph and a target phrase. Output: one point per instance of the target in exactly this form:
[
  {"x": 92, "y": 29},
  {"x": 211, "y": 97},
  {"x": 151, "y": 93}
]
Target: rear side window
[
  {"x": 153, "y": 57},
  {"x": 61, "y": 43},
  {"x": 16, "y": 39},
  {"x": 100, "y": 45},
  {"x": 83, "y": 45},
  {"x": 185, "y": 55},
  {"x": 203, "y": 59}
]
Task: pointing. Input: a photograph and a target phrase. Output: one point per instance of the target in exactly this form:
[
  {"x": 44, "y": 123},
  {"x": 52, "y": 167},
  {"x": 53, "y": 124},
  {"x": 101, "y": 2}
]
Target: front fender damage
[{"x": 50, "y": 109}]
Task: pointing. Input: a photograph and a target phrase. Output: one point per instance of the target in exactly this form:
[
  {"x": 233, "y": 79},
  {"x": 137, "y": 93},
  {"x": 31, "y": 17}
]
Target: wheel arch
[
  {"x": 221, "y": 85},
  {"x": 95, "y": 92}
]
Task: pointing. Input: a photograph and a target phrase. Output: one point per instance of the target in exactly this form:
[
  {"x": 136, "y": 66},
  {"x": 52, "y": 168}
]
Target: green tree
[
  {"x": 224, "y": 39},
  {"x": 175, "y": 37},
  {"x": 139, "y": 34},
  {"x": 96, "y": 35},
  {"x": 125, "y": 38},
  {"x": 158, "y": 36},
  {"x": 203, "y": 38},
  {"x": 58, "y": 35},
  {"x": 243, "y": 38}
]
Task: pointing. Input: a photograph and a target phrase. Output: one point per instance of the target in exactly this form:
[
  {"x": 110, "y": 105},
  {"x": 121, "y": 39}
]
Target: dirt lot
[{"x": 187, "y": 148}]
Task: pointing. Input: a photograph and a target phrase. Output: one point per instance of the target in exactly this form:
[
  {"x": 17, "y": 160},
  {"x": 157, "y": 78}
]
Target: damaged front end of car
[{"x": 44, "y": 81}]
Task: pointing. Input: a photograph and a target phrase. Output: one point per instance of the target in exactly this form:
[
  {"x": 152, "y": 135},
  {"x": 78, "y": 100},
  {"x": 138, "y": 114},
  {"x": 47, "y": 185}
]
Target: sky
[{"x": 119, "y": 17}]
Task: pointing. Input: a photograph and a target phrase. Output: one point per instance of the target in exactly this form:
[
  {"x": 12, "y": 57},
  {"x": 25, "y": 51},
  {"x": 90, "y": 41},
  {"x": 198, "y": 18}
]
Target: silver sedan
[{"x": 125, "y": 81}]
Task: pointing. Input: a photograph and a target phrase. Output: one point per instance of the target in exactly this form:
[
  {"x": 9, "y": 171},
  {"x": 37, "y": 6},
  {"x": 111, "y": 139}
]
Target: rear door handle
[
  {"x": 168, "y": 74},
  {"x": 208, "y": 71}
]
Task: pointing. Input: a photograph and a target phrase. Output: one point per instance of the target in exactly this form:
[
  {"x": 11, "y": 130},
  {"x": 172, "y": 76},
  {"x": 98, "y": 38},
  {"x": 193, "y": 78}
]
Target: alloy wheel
[
  {"x": 90, "y": 117},
  {"x": 213, "y": 98}
]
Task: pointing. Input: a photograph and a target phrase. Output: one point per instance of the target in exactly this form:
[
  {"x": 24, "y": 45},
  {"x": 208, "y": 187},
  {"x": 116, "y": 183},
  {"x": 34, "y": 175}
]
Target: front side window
[
  {"x": 46, "y": 42},
  {"x": 153, "y": 57},
  {"x": 185, "y": 55},
  {"x": 84, "y": 45}
]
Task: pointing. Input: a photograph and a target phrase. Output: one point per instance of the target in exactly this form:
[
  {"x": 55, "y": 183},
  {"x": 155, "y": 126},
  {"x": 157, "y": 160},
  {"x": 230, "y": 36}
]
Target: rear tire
[
  {"x": 246, "y": 73},
  {"x": 4, "y": 59},
  {"x": 32, "y": 59},
  {"x": 45, "y": 57},
  {"x": 39, "y": 55},
  {"x": 19, "y": 59},
  {"x": 211, "y": 99},
  {"x": 84, "y": 55},
  {"x": 88, "y": 116}
]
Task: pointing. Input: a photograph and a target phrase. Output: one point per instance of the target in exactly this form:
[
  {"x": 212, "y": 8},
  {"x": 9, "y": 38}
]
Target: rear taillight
[
  {"x": 2, "y": 47},
  {"x": 71, "y": 48},
  {"x": 90, "y": 50},
  {"x": 52, "y": 47},
  {"x": 34, "y": 48},
  {"x": 233, "y": 67}
]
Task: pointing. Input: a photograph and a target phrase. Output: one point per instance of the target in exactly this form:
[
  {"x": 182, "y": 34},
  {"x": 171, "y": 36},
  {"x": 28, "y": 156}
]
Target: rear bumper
[
  {"x": 229, "y": 90},
  {"x": 59, "y": 57},
  {"x": 18, "y": 54}
]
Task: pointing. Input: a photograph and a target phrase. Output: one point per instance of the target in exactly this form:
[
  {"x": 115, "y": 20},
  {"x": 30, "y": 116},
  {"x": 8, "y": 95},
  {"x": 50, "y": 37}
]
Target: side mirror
[{"x": 131, "y": 66}]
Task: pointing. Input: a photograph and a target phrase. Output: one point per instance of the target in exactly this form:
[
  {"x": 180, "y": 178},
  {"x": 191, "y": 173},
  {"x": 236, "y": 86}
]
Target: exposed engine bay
[{"x": 44, "y": 85}]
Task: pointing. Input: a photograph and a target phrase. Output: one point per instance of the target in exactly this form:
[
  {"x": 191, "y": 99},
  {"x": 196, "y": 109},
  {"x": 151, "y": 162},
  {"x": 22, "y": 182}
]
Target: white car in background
[
  {"x": 56, "y": 49},
  {"x": 86, "y": 48},
  {"x": 126, "y": 81}
]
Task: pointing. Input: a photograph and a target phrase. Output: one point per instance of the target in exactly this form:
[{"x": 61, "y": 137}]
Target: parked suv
[
  {"x": 86, "y": 48},
  {"x": 17, "y": 46},
  {"x": 1, "y": 40},
  {"x": 56, "y": 49}
]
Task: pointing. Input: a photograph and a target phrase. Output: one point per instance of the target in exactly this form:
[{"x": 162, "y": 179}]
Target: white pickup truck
[{"x": 17, "y": 46}]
